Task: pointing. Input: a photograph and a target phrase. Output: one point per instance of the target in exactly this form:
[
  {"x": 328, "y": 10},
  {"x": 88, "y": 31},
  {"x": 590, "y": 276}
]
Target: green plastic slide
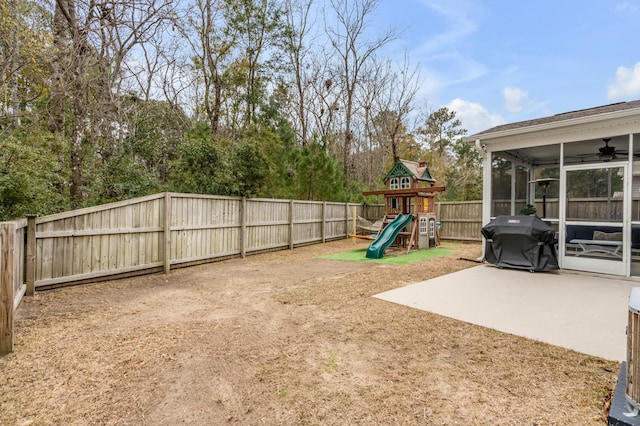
[{"x": 388, "y": 235}]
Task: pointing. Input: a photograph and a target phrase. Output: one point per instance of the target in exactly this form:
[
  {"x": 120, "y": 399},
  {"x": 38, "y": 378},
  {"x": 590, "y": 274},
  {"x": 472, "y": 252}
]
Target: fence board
[
  {"x": 98, "y": 241},
  {"x": 165, "y": 230},
  {"x": 577, "y": 208},
  {"x": 336, "y": 221},
  {"x": 307, "y": 222},
  {"x": 460, "y": 220},
  {"x": 7, "y": 285},
  {"x": 204, "y": 227}
]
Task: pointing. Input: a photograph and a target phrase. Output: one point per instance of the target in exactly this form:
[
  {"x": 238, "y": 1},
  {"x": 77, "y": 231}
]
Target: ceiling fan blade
[{"x": 607, "y": 153}]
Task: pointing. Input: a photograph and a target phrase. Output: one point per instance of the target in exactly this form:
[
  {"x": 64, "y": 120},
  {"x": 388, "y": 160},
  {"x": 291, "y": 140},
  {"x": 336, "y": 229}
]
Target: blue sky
[{"x": 496, "y": 62}]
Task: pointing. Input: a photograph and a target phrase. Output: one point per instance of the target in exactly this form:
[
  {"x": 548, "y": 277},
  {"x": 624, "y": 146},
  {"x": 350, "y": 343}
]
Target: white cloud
[
  {"x": 626, "y": 83},
  {"x": 514, "y": 98},
  {"x": 627, "y": 7},
  {"x": 461, "y": 25},
  {"x": 442, "y": 49},
  {"x": 474, "y": 117}
]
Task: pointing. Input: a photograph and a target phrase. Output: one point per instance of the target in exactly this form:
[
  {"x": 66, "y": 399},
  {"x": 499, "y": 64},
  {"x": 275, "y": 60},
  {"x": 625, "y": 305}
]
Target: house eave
[{"x": 592, "y": 119}]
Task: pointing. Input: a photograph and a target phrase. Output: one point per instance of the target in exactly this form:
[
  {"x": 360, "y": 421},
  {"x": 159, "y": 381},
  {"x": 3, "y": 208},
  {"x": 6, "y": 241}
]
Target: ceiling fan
[{"x": 607, "y": 153}]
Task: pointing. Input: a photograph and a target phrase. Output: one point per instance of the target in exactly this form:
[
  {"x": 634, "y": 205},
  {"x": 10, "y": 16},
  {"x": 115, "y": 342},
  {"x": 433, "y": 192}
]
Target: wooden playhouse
[{"x": 410, "y": 190}]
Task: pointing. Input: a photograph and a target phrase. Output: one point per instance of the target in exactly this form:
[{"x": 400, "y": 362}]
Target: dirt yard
[{"x": 283, "y": 338}]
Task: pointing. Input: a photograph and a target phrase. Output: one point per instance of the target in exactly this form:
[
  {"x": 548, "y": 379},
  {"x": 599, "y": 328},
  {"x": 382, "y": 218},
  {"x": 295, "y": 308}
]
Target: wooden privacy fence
[
  {"x": 129, "y": 238},
  {"x": 576, "y": 208},
  {"x": 460, "y": 220},
  {"x": 169, "y": 230}
]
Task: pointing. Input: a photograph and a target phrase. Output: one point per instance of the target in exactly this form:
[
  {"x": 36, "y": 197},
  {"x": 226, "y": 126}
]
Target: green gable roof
[
  {"x": 412, "y": 169},
  {"x": 426, "y": 175},
  {"x": 398, "y": 170}
]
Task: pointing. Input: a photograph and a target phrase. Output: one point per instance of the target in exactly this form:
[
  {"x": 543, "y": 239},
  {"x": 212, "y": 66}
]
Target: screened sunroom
[{"x": 578, "y": 171}]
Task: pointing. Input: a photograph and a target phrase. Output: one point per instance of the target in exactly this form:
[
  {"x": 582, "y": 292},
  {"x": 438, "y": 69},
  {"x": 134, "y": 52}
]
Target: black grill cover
[{"x": 520, "y": 242}]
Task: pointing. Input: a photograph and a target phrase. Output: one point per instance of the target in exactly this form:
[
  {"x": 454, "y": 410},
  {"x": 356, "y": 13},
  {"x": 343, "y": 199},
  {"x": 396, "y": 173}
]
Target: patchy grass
[
  {"x": 284, "y": 338},
  {"x": 397, "y": 257}
]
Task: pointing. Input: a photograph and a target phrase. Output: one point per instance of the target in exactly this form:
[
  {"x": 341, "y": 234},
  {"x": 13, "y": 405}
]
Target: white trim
[
  {"x": 405, "y": 182},
  {"x": 423, "y": 225},
  {"x": 558, "y": 136},
  {"x": 561, "y": 124},
  {"x": 605, "y": 266},
  {"x": 513, "y": 189},
  {"x": 628, "y": 206},
  {"x": 562, "y": 211},
  {"x": 486, "y": 193}
]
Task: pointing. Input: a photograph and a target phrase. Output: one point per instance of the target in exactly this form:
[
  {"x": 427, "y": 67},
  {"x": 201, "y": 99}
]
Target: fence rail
[
  {"x": 129, "y": 237},
  {"x": 169, "y": 230}
]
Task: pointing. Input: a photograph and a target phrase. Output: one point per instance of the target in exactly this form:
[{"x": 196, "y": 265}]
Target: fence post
[
  {"x": 290, "y": 224},
  {"x": 346, "y": 220},
  {"x": 354, "y": 220},
  {"x": 243, "y": 228},
  {"x": 7, "y": 271},
  {"x": 324, "y": 221},
  {"x": 167, "y": 232},
  {"x": 31, "y": 255}
]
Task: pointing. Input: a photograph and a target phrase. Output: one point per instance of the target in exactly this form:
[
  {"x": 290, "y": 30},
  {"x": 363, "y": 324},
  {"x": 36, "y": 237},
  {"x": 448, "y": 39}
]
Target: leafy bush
[{"x": 31, "y": 177}]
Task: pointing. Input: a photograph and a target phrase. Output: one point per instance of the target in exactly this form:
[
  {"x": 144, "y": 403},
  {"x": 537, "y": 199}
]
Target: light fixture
[
  {"x": 607, "y": 153},
  {"x": 544, "y": 183}
]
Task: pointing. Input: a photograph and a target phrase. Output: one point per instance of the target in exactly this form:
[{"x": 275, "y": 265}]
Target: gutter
[{"x": 476, "y": 138}]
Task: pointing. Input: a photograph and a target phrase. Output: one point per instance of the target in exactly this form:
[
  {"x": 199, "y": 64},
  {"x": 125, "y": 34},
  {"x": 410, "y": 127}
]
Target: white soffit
[{"x": 575, "y": 129}]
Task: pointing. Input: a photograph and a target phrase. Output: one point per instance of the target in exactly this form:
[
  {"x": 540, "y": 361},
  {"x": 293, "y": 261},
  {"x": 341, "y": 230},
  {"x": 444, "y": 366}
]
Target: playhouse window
[
  {"x": 423, "y": 225},
  {"x": 394, "y": 203},
  {"x": 405, "y": 183},
  {"x": 393, "y": 184}
]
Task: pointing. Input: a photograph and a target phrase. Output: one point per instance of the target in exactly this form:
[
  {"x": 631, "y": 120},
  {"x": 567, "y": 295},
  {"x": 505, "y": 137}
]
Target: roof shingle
[{"x": 620, "y": 106}]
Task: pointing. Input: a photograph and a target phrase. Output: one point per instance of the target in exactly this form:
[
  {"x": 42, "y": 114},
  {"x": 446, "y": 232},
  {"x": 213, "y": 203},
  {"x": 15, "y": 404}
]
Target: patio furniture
[{"x": 613, "y": 248}]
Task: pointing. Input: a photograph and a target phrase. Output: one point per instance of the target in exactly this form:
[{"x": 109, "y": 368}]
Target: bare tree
[
  {"x": 71, "y": 56},
  {"x": 374, "y": 156},
  {"x": 61, "y": 50},
  {"x": 325, "y": 93},
  {"x": 214, "y": 49},
  {"x": 92, "y": 41},
  {"x": 298, "y": 26},
  {"x": 398, "y": 93},
  {"x": 353, "y": 50}
]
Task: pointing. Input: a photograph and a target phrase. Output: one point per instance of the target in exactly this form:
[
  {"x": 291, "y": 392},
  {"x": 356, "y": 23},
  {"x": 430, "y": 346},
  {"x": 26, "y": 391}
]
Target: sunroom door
[{"x": 596, "y": 234}]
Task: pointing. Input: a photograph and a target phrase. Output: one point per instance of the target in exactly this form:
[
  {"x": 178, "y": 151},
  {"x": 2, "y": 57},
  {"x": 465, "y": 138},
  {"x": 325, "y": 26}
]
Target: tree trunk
[
  {"x": 78, "y": 133},
  {"x": 15, "y": 65},
  {"x": 59, "y": 65},
  {"x": 217, "y": 104}
]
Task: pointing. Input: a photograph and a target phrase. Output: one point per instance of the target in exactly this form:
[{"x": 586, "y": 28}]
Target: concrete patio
[{"x": 582, "y": 312}]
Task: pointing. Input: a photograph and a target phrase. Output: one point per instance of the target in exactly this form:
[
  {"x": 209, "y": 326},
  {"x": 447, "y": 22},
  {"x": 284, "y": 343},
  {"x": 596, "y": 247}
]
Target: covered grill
[{"x": 520, "y": 242}]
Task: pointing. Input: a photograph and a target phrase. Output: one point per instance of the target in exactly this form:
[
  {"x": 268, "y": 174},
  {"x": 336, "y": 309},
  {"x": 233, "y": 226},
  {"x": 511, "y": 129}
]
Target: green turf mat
[{"x": 400, "y": 259}]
